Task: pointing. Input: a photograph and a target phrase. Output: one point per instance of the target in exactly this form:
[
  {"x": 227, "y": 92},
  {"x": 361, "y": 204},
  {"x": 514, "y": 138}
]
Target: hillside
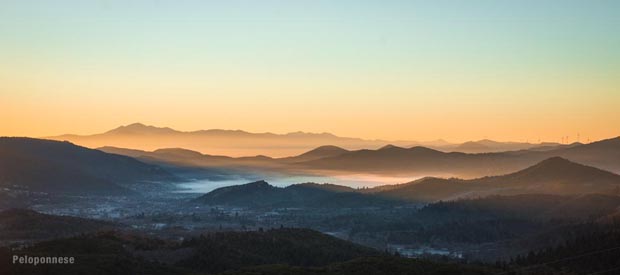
[
  {"x": 552, "y": 176},
  {"x": 61, "y": 167},
  {"x": 28, "y": 225},
  {"x": 595, "y": 250},
  {"x": 317, "y": 153},
  {"x": 310, "y": 195},
  {"x": 422, "y": 161},
  {"x": 394, "y": 160},
  {"x": 525, "y": 206},
  {"x": 277, "y": 251}
]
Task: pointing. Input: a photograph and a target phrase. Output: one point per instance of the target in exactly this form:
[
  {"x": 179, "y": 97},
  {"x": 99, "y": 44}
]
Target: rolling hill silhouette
[
  {"x": 312, "y": 195},
  {"x": 238, "y": 143},
  {"x": 185, "y": 157},
  {"x": 555, "y": 175},
  {"x": 416, "y": 161},
  {"x": 216, "y": 141},
  {"x": 317, "y": 153},
  {"x": 424, "y": 161},
  {"x": 61, "y": 167}
]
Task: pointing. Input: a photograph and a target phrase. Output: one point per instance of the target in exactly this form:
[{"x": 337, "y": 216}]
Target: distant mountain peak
[
  {"x": 473, "y": 145},
  {"x": 556, "y": 161},
  {"x": 557, "y": 168},
  {"x": 139, "y": 128},
  {"x": 258, "y": 183},
  {"x": 136, "y": 124},
  {"x": 389, "y": 147},
  {"x": 327, "y": 149},
  {"x": 555, "y": 164}
]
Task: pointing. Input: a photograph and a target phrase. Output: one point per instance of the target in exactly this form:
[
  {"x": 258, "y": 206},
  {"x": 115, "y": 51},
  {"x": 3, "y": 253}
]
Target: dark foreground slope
[
  {"x": 281, "y": 251},
  {"x": 61, "y": 167},
  {"x": 371, "y": 266},
  {"x": 595, "y": 250},
  {"x": 27, "y": 225}
]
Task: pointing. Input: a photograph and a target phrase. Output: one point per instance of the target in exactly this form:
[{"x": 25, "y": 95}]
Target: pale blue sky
[
  {"x": 344, "y": 35},
  {"x": 378, "y": 52}
]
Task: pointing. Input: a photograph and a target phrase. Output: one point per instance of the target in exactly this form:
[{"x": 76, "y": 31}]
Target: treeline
[
  {"x": 588, "y": 248},
  {"x": 277, "y": 251}
]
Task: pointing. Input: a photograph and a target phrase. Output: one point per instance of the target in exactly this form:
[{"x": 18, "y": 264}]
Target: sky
[{"x": 395, "y": 70}]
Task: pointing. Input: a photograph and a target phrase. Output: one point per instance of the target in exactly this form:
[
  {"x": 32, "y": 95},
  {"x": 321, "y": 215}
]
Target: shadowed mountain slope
[
  {"x": 61, "y": 167},
  {"x": 551, "y": 176},
  {"x": 423, "y": 161},
  {"x": 24, "y": 224},
  {"x": 312, "y": 195},
  {"x": 276, "y": 251},
  {"x": 317, "y": 153}
]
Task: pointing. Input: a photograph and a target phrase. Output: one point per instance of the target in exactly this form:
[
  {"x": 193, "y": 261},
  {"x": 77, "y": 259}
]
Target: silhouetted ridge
[
  {"x": 324, "y": 186},
  {"x": 326, "y": 149},
  {"x": 559, "y": 169},
  {"x": 312, "y": 195},
  {"x": 139, "y": 128},
  {"x": 61, "y": 167},
  {"x": 614, "y": 142},
  {"x": 555, "y": 163},
  {"x": 389, "y": 147},
  {"x": 422, "y": 149},
  {"x": 179, "y": 152},
  {"x": 554, "y": 175},
  {"x": 316, "y": 153}
]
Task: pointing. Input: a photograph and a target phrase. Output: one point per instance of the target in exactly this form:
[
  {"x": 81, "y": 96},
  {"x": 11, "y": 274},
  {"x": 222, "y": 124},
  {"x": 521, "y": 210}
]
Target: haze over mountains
[
  {"x": 216, "y": 141},
  {"x": 424, "y": 161},
  {"x": 241, "y": 143},
  {"x": 61, "y": 167},
  {"x": 555, "y": 176},
  {"x": 394, "y": 160},
  {"x": 506, "y": 203}
]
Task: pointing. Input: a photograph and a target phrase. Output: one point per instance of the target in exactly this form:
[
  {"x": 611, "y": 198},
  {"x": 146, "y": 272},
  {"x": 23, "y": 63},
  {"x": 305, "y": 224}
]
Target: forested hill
[{"x": 61, "y": 167}]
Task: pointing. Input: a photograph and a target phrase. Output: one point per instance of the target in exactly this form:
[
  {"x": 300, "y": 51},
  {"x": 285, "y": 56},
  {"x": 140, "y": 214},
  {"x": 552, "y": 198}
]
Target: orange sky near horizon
[
  {"x": 44, "y": 102},
  {"x": 393, "y": 70}
]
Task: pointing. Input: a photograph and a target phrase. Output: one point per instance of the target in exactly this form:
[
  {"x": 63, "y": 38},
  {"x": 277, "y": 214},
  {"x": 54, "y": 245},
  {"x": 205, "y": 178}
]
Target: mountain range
[
  {"x": 62, "y": 167},
  {"x": 261, "y": 194},
  {"x": 392, "y": 160},
  {"x": 241, "y": 143},
  {"x": 424, "y": 161},
  {"x": 555, "y": 176}
]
